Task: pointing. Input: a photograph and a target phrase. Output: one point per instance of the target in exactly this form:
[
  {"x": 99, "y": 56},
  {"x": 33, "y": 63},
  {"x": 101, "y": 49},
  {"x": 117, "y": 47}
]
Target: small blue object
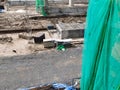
[
  {"x": 70, "y": 88},
  {"x": 50, "y": 26},
  {"x": 59, "y": 85},
  {"x": 22, "y": 89},
  {"x": 1, "y": 10}
]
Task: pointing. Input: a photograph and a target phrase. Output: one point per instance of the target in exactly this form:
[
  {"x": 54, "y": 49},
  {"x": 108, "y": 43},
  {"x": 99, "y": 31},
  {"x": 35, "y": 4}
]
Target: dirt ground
[
  {"x": 19, "y": 18},
  {"x": 24, "y": 64},
  {"x": 15, "y": 19},
  {"x": 19, "y": 46},
  {"x": 12, "y": 45}
]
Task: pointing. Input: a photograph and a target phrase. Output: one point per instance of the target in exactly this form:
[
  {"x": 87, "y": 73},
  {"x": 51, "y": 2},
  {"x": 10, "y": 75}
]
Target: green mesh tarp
[
  {"x": 101, "y": 53},
  {"x": 40, "y": 7}
]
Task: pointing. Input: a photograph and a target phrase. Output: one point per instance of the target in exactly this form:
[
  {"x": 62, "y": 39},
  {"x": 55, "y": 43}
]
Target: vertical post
[
  {"x": 70, "y": 3},
  {"x": 40, "y": 7},
  {"x": 46, "y": 3}
]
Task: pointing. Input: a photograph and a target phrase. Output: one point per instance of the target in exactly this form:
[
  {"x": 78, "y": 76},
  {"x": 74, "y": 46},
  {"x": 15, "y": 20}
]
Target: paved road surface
[{"x": 35, "y": 69}]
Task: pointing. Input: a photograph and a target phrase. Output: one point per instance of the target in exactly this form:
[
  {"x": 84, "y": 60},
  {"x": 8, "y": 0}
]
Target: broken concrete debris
[
  {"x": 49, "y": 43},
  {"x": 25, "y": 36},
  {"x": 18, "y": 22},
  {"x": 15, "y": 21},
  {"x": 5, "y": 39},
  {"x": 63, "y": 44},
  {"x": 35, "y": 38}
]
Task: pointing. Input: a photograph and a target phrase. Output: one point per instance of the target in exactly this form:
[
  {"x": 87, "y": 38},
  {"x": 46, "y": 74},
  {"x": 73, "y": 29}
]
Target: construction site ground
[
  {"x": 24, "y": 64},
  {"x": 18, "y": 18},
  {"x": 39, "y": 68}
]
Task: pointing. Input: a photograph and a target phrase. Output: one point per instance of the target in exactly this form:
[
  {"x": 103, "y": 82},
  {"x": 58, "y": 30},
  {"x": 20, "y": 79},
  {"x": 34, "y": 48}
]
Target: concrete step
[{"x": 70, "y": 30}]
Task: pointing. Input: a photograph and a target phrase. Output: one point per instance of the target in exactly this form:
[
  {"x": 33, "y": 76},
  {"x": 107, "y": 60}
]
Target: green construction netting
[
  {"x": 40, "y": 7},
  {"x": 101, "y": 53}
]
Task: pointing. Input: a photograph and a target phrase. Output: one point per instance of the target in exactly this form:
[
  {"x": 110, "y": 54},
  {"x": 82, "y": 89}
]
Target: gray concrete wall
[
  {"x": 32, "y": 2},
  {"x": 67, "y": 11},
  {"x": 21, "y": 2}
]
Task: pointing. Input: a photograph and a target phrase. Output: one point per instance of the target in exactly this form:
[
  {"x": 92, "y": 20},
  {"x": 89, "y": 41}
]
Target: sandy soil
[
  {"x": 16, "y": 18},
  {"x": 19, "y": 46}
]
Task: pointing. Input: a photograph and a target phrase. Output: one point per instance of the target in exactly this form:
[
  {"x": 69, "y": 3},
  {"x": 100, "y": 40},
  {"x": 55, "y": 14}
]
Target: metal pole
[
  {"x": 70, "y": 3},
  {"x": 29, "y": 30}
]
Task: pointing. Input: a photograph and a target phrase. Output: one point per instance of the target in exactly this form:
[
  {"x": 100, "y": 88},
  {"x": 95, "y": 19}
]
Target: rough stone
[
  {"x": 49, "y": 43},
  {"x": 25, "y": 36}
]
